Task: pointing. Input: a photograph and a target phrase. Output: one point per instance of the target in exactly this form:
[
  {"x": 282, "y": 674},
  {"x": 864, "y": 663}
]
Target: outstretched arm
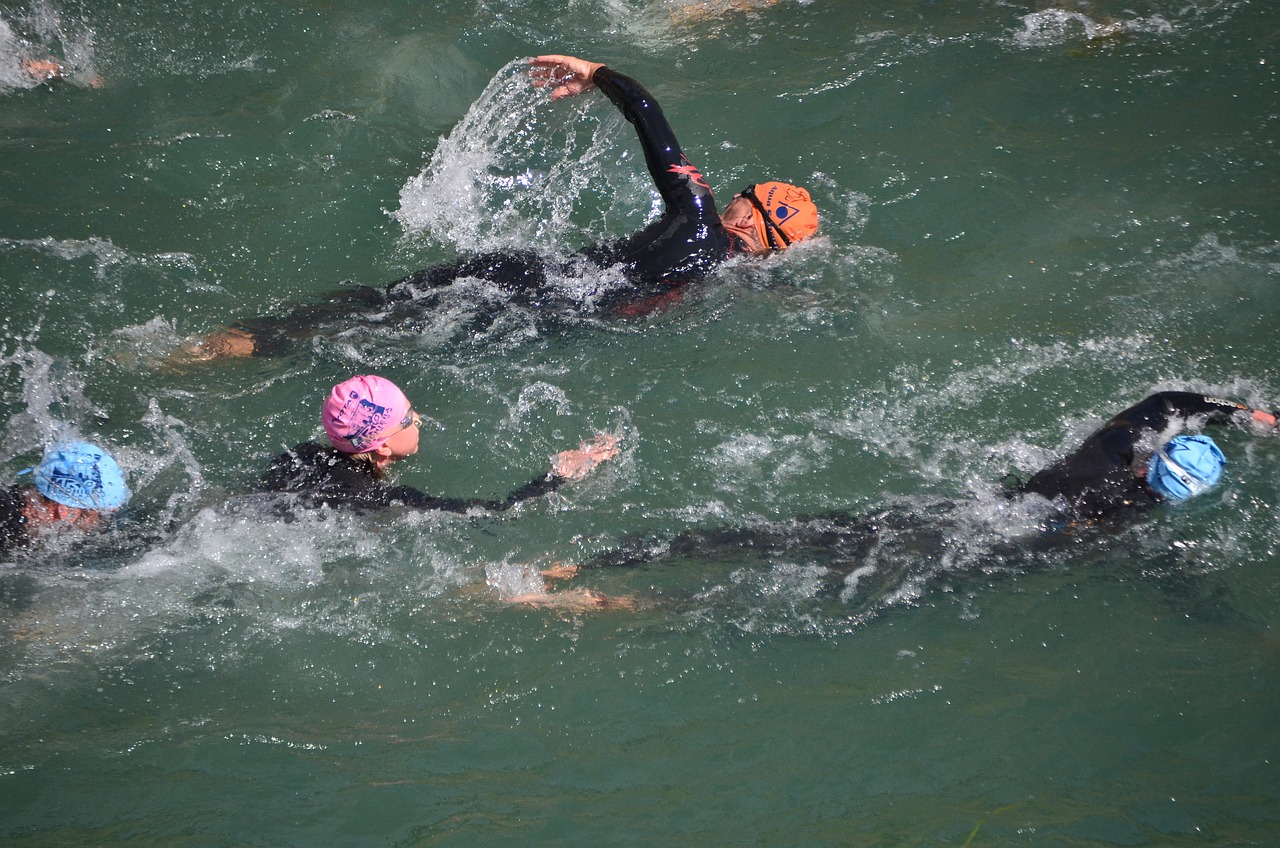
[
  {"x": 1159, "y": 410},
  {"x": 680, "y": 183},
  {"x": 577, "y": 600},
  {"x": 569, "y": 466}
]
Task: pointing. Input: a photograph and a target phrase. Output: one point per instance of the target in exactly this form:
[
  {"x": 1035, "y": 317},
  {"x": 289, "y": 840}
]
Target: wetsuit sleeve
[
  {"x": 1164, "y": 408},
  {"x": 533, "y": 489},
  {"x": 1118, "y": 439},
  {"x": 680, "y": 183},
  {"x": 278, "y": 335}
]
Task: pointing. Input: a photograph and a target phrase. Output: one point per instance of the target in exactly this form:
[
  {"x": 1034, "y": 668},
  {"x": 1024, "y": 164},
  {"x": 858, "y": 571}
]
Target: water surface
[{"x": 1033, "y": 216}]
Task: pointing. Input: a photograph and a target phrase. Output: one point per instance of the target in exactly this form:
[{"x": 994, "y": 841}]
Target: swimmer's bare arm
[
  {"x": 567, "y": 76},
  {"x": 50, "y": 69},
  {"x": 229, "y": 343},
  {"x": 580, "y": 600}
]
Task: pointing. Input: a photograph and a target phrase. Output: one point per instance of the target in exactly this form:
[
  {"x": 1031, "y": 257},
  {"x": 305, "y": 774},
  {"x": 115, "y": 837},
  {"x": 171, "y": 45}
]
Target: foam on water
[
  {"x": 1051, "y": 27},
  {"x": 316, "y": 571},
  {"x": 516, "y": 169}
]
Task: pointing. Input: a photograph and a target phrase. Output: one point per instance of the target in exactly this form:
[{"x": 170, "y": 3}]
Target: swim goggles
[{"x": 771, "y": 226}]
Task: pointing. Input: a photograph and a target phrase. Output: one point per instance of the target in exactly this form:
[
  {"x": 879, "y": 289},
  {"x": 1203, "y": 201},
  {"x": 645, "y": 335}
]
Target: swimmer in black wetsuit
[
  {"x": 74, "y": 486},
  {"x": 1130, "y": 464},
  {"x": 370, "y": 424},
  {"x": 687, "y": 242}
]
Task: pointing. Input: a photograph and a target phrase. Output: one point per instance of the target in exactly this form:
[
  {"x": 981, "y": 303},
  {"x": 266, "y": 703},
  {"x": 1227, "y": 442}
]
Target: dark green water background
[{"x": 1034, "y": 216}]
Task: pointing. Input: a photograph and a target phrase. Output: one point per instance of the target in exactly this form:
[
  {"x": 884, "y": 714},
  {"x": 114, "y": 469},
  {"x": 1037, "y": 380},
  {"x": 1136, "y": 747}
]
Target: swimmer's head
[
  {"x": 363, "y": 413},
  {"x": 1185, "y": 466},
  {"x": 781, "y": 214},
  {"x": 80, "y": 475}
]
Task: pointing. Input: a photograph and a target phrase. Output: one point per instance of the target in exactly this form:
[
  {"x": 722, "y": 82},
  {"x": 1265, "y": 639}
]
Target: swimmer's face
[
  {"x": 738, "y": 213},
  {"x": 404, "y": 442},
  {"x": 42, "y": 513},
  {"x": 739, "y": 218}
]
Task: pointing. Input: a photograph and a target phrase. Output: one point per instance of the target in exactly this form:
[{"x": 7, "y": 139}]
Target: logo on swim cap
[
  {"x": 370, "y": 420},
  {"x": 788, "y": 207},
  {"x": 81, "y": 475}
]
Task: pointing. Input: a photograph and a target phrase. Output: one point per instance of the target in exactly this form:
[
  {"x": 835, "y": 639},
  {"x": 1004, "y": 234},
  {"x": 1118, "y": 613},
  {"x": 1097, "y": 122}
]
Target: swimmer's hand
[
  {"x": 230, "y": 343},
  {"x": 560, "y": 571},
  {"x": 1266, "y": 419},
  {"x": 576, "y": 464},
  {"x": 44, "y": 69},
  {"x": 567, "y": 76}
]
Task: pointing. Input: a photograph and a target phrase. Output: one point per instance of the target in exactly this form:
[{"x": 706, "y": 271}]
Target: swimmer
[
  {"x": 1135, "y": 461},
  {"x": 73, "y": 487},
  {"x": 371, "y": 425},
  {"x": 687, "y": 242}
]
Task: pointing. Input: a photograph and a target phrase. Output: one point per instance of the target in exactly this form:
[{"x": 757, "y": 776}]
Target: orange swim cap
[{"x": 792, "y": 215}]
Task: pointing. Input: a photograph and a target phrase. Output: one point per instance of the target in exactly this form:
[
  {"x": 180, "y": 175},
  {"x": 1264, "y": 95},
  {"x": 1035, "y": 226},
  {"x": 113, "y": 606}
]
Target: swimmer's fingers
[
  {"x": 567, "y": 76},
  {"x": 572, "y": 464},
  {"x": 44, "y": 69},
  {"x": 603, "y": 446},
  {"x": 560, "y": 571},
  {"x": 602, "y": 601},
  {"x": 229, "y": 343},
  {"x": 1266, "y": 419},
  {"x": 576, "y": 464},
  {"x": 577, "y": 600}
]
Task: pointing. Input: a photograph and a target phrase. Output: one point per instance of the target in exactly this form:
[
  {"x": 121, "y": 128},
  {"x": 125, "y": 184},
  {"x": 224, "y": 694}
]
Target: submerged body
[{"x": 1104, "y": 479}]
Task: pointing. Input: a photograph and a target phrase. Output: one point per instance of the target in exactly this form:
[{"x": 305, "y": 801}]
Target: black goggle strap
[{"x": 771, "y": 226}]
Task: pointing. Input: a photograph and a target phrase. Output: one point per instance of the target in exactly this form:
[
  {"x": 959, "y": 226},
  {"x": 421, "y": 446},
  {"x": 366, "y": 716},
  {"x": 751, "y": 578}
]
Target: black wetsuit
[
  {"x": 687, "y": 243},
  {"x": 1102, "y": 477},
  {"x": 324, "y": 476},
  {"x": 1095, "y": 481}
]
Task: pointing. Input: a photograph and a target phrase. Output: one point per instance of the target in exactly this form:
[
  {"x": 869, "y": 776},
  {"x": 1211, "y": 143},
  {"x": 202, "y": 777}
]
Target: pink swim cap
[{"x": 362, "y": 413}]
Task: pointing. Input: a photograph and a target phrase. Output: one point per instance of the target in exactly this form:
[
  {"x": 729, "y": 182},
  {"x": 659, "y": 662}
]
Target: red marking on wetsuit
[{"x": 692, "y": 172}]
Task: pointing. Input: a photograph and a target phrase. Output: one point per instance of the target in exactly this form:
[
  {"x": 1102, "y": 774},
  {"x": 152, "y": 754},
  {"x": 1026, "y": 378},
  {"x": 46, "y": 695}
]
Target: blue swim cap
[
  {"x": 1185, "y": 466},
  {"x": 81, "y": 475}
]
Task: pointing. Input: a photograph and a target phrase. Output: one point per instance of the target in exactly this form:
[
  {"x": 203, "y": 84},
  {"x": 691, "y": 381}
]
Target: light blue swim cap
[
  {"x": 1185, "y": 466},
  {"x": 81, "y": 475}
]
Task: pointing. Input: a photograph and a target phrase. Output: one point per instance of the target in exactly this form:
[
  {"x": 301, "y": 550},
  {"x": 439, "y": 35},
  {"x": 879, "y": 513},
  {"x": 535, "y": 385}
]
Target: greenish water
[{"x": 1034, "y": 215}]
